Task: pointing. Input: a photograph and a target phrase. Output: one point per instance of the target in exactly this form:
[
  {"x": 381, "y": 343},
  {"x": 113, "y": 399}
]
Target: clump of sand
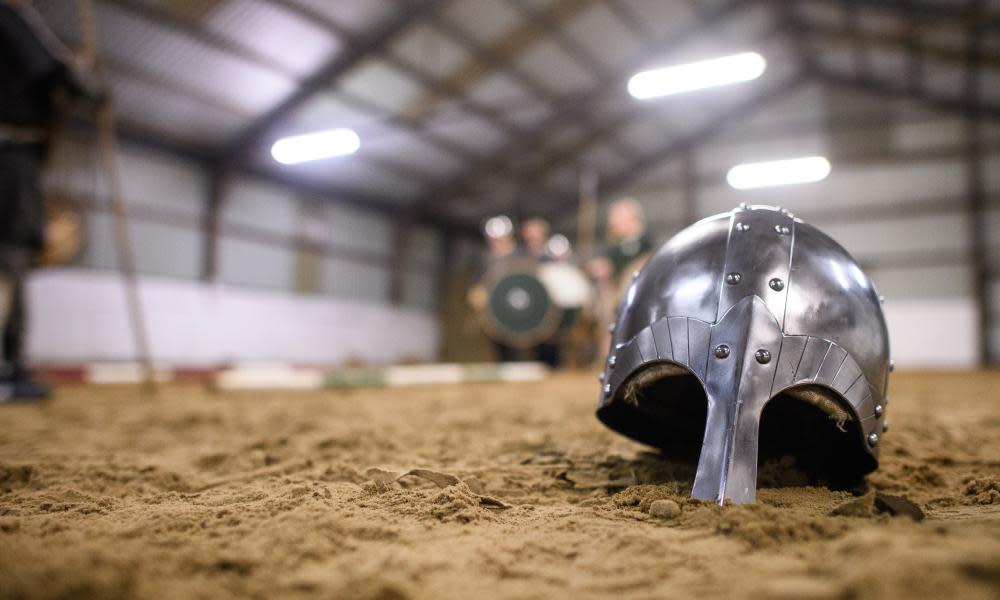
[{"x": 485, "y": 491}]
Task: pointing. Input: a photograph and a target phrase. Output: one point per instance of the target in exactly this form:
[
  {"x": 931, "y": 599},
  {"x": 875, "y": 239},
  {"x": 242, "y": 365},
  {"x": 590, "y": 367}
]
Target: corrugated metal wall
[{"x": 268, "y": 234}]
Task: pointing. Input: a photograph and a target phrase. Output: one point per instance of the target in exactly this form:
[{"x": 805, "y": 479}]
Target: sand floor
[{"x": 106, "y": 494}]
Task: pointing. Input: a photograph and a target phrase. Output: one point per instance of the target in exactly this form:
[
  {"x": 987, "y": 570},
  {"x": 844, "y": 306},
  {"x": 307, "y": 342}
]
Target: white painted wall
[{"x": 80, "y": 315}]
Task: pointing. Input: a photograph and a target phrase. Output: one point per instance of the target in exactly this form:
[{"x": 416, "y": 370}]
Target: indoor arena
[{"x": 499, "y": 299}]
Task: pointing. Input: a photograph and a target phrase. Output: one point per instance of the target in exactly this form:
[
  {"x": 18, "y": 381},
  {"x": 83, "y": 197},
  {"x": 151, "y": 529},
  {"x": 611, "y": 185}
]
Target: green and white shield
[{"x": 519, "y": 311}]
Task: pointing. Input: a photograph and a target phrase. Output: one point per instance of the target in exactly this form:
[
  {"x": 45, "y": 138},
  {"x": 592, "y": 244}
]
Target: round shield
[
  {"x": 566, "y": 283},
  {"x": 519, "y": 310},
  {"x": 569, "y": 288}
]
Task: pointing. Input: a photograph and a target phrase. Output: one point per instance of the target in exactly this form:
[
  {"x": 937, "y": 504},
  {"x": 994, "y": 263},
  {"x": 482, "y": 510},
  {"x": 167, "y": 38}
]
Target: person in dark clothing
[
  {"x": 39, "y": 79},
  {"x": 501, "y": 245},
  {"x": 627, "y": 246},
  {"x": 535, "y": 235}
]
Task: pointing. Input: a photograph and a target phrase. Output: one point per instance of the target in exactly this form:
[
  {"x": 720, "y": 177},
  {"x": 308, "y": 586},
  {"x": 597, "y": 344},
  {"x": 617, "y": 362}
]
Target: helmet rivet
[
  {"x": 782, "y": 229},
  {"x": 763, "y": 356},
  {"x": 776, "y": 284},
  {"x": 742, "y": 227},
  {"x": 635, "y": 274},
  {"x": 873, "y": 439},
  {"x": 881, "y": 299},
  {"x": 607, "y": 388},
  {"x": 611, "y": 328},
  {"x": 612, "y": 361},
  {"x": 892, "y": 366},
  {"x": 885, "y": 425},
  {"x": 879, "y": 410},
  {"x": 601, "y": 377},
  {"x": 721, "y": 351},
  {"x": 733, "y": 278}
]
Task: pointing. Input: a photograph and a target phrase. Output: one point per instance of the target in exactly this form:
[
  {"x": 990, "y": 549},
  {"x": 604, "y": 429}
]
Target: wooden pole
[
  {"x": 586, "y": 220},
  {"x": 108, "y": 148}
]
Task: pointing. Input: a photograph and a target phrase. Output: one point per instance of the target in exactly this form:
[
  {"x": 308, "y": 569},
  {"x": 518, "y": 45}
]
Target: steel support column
[
  {"x": 218, "y": 187},
  {"x": 398, "y": 261},
  {"x": 976, "y": 193}
]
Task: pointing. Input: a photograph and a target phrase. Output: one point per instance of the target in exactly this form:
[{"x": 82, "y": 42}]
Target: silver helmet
[{"x": 744, "y": 315}]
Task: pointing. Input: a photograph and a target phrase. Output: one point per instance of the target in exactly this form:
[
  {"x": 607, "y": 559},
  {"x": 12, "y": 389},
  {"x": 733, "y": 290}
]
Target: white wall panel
[
  {"x": 99, "y": 242},
  {"x": 81, "y": 316},
  {"x": 159, "y": 249},
  {"x": 922, "y": 282},
  {"x": 347, "y": 279},
  {"x": 869, "y": 240},
  {"x": 247, "y": 263},
  {"x": 927, "y": 134},
  {"x": 353, "y": 228},
  {"x": 149, "y": 179},
  {"x": 933, "y": 334},
  {"x": 420, "y": 290},
  {"x": 162, "y": 182},
  {"x": 991, "y": 170},
  {"x": 424, "y": 247},
  {"x": 260, "y": 205}
]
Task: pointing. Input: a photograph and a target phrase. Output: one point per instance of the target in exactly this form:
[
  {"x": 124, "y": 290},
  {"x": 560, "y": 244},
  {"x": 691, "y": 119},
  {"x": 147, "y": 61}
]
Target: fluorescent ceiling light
[
  {"x": 697, "y": 75},
  {"x": 314, "y": 146},
  {"x": 778, "y": 172}
]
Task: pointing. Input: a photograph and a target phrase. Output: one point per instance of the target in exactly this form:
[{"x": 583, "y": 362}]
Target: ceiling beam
[
  {"x": 500, "y": 55},
  {"x": 903, "y": 42},
  {"x": 161, "y": 17},
  {"x": 874, "y": 85},
  {"x": 189, "y": 28},
  {"x": 677, "y": 146},
  {"x": 604, "y": 130},
  {"x": 572, "y": 109},
  {"x": 929, "y": 12},
  {"x": 555, "y": 28},
  {"x": 733, "y": 114},
  {"x": 436, "y": 88},
  {"x": 327, "y": 75}
]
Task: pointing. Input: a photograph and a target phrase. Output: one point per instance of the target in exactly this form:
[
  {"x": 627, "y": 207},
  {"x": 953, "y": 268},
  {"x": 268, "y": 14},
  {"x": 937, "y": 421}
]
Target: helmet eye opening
[
  {"x": 808, "y": 436},
  {"x": 663, "y": 405}
]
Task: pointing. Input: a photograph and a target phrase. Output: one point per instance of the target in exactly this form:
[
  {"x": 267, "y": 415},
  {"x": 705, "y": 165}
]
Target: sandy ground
[{"x": 107, "y": 494}]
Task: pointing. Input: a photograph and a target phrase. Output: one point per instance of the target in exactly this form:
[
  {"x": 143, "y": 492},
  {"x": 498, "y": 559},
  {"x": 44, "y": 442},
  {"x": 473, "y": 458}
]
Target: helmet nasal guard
[{"x": 741, "y": 311}]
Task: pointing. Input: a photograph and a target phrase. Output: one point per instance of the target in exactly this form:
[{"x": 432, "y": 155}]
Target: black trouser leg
[
  {"x": 548, "y": 353},
  {"x": 13, "y": 331},
  {"x": 505, "y": 353}
]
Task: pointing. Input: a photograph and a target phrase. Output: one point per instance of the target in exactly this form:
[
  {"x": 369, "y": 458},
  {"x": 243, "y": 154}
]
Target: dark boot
[{"x": 17, "y": 385}]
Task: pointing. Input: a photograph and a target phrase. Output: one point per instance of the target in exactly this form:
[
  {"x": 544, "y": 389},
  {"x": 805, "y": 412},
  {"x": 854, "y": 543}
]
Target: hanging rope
[{"x": 108, "y": 150}]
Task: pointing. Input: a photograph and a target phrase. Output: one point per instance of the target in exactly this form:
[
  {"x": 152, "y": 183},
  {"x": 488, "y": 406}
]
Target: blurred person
[
  {"x": 535, "y": 234},
  {"x": 500, "y": 245},
  {"x": 39, "y": 81},
  {"x": 627, "y": 245},
  {"x": 626, "y": 239}
]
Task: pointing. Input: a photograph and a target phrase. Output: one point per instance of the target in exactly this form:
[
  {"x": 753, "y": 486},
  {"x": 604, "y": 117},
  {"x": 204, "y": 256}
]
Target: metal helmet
[{"x": 746, "y": 314}]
